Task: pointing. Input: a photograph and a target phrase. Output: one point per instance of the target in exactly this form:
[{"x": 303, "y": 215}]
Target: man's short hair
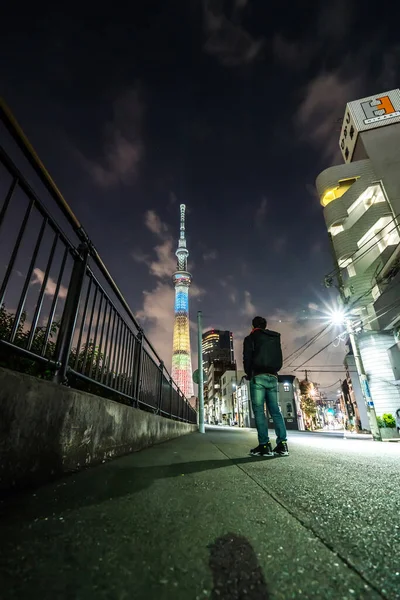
[{"x": 259, "y": 323}]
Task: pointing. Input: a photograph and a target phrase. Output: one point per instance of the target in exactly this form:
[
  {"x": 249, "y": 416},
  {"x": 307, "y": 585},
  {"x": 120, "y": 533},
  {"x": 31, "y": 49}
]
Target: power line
[
  {"x": 326, "y": 387},
  {"x": 318, "y": 335},
  {"x": 331, "y": 342},
  {"x": 306, "y": 345},
  {"x": 316, "y": 354}
]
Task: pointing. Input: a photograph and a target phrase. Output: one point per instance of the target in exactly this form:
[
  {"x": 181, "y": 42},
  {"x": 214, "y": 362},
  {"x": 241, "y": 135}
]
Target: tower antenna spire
[{"x": 181, "y": 357}]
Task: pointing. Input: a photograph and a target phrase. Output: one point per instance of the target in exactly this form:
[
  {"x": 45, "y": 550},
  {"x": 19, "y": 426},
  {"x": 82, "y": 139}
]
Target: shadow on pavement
[
  {"x": 235, "y": 570},
  {"x": 104, "y": 483}
]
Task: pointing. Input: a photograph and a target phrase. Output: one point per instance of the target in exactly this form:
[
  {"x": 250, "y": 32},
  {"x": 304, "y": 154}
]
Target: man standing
[{"x": 262, "y": 359}]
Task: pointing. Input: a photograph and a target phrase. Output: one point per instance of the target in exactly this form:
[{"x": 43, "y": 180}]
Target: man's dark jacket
[{"x": 262, "y": 353}]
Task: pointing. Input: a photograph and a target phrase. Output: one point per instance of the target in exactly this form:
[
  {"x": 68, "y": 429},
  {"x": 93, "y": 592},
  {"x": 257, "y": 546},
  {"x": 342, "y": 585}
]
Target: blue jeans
[{"x": 264, "y": 389}]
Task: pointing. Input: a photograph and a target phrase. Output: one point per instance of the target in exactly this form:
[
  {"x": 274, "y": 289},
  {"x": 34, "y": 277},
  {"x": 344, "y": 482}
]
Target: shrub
[{"x": 389, "y": 420}]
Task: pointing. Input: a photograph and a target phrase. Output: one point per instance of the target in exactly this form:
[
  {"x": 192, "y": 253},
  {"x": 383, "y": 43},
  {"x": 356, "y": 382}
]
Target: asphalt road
[{"x": 196, "y": 518}]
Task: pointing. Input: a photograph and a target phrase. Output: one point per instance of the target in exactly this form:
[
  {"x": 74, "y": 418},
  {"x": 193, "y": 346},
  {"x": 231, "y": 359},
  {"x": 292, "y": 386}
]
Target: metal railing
[{"x": 62, "y": 316}]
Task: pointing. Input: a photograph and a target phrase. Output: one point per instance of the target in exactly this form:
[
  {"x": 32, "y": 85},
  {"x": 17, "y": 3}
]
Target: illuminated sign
[{"x": 367, "y": 113}]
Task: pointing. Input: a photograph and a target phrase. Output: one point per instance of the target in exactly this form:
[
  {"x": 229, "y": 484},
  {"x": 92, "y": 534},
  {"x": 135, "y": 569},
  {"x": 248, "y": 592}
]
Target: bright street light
[{"x": 337, "y": 317}]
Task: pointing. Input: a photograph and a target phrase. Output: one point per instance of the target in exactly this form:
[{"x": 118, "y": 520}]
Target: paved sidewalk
[{"x": 196, "y": 518}]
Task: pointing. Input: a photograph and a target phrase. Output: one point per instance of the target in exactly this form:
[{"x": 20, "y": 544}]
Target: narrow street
[{"x": 197, "y": 518}]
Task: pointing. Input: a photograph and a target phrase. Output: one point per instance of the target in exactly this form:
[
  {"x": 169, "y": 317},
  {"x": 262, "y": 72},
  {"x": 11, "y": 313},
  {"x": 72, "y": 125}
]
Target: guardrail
[{"x": 62, "y": 316}]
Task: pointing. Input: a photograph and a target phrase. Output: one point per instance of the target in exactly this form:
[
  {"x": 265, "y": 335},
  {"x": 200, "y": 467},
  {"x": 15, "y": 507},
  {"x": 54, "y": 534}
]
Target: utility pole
[
  {"x": 373, "y": 422},
  {"x": 237, "y": 395},
  {"x": 200, "y": 367}
]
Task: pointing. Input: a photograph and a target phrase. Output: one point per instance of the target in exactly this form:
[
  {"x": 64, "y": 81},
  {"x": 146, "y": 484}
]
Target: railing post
[
  {"x": 171, "y": 391},
  {"x": 70, "y": 313},
  {"x": 160, "y": 391},
  {"x": 181, "y": 407},
  {"x": 137, "y": 362}
]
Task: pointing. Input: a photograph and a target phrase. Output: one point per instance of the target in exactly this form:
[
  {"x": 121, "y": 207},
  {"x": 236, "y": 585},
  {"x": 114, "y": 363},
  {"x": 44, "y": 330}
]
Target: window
[
  {"x": 337, "y": 191},
  {"x": 376, "y": 292},
  {"x": 390, "y": 239},
  {"x": 381, "y": 234},
  {"x": 286, "y": 387},
  {"x": 351, "y": 270},
  {"x": 347, "y": 263},
  {"x": 289, "y": 408},
  {"x": 335, "y": 229},
  {"x": 372, "y": 195}
]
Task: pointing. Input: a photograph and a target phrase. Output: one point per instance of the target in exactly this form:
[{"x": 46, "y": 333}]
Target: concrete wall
[
  {"x": 384, "y": 390},
  {"x": 47, "y": 430},
  {"x": 383, "y": 148}
]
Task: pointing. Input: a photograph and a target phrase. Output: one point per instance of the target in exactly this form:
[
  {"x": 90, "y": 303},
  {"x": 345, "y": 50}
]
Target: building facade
[
  {"x": 217, "y": 344},
  {"x": 230, "y": 409},
  {"x": 361, "y": 206},
  {"x": 288, "y": 400},
  {"x": 181, "y": 353},
  {"x": 213, "y": 400}
]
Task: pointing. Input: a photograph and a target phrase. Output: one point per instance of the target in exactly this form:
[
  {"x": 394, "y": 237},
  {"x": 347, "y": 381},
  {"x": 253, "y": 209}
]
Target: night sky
[{"x": 230, "y": 107}]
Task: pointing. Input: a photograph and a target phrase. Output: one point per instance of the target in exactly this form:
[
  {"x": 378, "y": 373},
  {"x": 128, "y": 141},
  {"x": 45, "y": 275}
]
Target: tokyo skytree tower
[{"x": 181, "y": 357}]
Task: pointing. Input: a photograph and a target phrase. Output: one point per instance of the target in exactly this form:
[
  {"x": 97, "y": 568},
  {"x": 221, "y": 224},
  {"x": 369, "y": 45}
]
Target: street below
[{"x": 196, "y": 517}]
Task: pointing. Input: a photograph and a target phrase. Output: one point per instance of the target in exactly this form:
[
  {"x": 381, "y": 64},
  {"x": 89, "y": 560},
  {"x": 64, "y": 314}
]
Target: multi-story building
[
  {"x": 361, "y": 205},
  {"x": 230, "y": 381},
  {"x": 212, "y": 402},
  {"x": 217, "y": 345},
  {"x": 288, "y": 399}
]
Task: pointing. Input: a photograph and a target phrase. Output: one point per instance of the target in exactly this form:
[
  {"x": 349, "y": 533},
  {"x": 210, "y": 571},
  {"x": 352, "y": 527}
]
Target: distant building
[
  {"x": 230, "y": 381},
  {"x": 212, "y": 402},
  {"x": 288, "y": 400},
  {"x": 217, "y": 344}
]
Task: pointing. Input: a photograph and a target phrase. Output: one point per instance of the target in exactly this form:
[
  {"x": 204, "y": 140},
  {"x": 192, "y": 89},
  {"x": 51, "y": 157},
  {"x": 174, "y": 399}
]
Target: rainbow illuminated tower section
[{"x": 181, "y": 357}]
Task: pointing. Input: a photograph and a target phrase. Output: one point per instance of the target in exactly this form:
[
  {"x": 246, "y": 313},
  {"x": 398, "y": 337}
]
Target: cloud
[
  {"x": 140, "y": 257},
  {"x": 332, "y": 23},
  {"x": 313, "y": 306},
  {"x": 261, "y": 211},
  {"x": 293, "y": 54},
  {"x": 210, "y": 255},
  {"x": 229, "y": 42},
  {"x": 157, "y": 318},
  {"x": 154, "y": 223},
  {"x": 324, "y": 103},
  {"x": 51, "y": 284},
  {"x": 388, "y": 77},
  {"x": 172, "y": 198},
  {"x": 165, "y": 264},
  {"x": 249, "y": 310},
  {"x": 334, "y": 20},
  {"x": 279, "y": 243},
  {"x": 123, "y": 147}
]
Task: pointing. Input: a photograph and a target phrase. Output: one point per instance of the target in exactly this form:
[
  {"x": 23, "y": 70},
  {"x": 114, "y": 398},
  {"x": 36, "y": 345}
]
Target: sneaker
[
  {"x": 262, "y": 450},
  {"x": 281, "y": 449}
]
